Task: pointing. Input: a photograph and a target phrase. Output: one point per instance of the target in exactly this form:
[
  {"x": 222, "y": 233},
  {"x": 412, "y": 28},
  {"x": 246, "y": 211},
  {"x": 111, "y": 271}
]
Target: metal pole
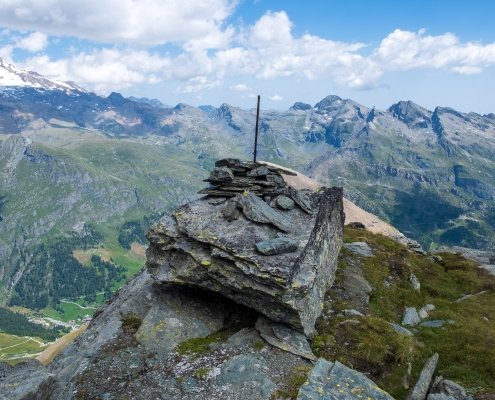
[{"x": 256, "y": 134}]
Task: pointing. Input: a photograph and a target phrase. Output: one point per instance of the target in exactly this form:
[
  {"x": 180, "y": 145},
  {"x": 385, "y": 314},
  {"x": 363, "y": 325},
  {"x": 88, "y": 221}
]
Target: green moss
[
  {"x": 201, "y": 373},
  {"x": 197, "y": 346},
  {"x": 292, "y": 383},
  {"x": 259, "y": 344}
]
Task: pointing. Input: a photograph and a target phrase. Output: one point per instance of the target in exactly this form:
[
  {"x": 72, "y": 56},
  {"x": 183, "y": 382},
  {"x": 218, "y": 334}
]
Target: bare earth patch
[
  {"x": 138, "y": 249},
  {"x": 82, "y": 256},
  {"x": 353, "y": 213}
]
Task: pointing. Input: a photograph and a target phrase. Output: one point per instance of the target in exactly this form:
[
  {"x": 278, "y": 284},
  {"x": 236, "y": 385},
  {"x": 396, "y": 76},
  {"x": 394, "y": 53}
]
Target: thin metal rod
[{"x": 256, "y": 134}]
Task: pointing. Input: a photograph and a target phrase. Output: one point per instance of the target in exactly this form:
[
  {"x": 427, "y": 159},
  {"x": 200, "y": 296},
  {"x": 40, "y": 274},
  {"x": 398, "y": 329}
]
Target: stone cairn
[
  {"x": 254, "y": 239},
  {"x": 232, "y": 176}
]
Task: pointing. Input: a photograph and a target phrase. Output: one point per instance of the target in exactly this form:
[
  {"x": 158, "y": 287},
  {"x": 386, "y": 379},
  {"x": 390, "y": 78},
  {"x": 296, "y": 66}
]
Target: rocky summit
[{"x": 256, "y": 240}]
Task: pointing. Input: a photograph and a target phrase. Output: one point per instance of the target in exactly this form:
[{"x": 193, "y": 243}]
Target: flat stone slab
[
  {"x": 400, "y": 329},
  {"x": 433, "y": 324},
  {"x": 197, "y": 246},
  {"x": 277, "y": 246},
  {"x": 257, "y": 210},
  {"x": 360, "y": 248},
  {"x": 284, "y": 338},
  {"x": 335, "y": 381},
  {"x": 420, "y": 389}
]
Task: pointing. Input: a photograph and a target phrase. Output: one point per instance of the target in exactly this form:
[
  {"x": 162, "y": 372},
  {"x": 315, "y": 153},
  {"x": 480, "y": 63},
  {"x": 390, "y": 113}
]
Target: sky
[{"x": 435, "y": 52}]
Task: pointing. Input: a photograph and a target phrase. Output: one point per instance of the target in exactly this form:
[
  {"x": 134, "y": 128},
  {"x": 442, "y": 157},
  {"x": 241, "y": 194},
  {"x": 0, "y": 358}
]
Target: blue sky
[{"x": 211, "y": 52}]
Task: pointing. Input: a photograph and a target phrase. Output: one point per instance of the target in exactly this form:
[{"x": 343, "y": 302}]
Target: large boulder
[{"x": 209, "y": 246}]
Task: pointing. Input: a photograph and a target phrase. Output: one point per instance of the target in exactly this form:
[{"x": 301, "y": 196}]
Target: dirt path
[
  {"x": 80, "y": 306},
  {"x": 49, "y": 353}
]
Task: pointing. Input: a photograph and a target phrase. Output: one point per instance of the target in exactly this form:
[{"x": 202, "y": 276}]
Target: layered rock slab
[{"x": 197, "y": 246}]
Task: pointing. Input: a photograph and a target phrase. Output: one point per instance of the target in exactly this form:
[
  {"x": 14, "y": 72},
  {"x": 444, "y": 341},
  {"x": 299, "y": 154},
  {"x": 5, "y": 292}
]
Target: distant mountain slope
[
  {"x": 431, "y": 174},
  {"x": 70, "y": 157},
  {"x": 153, "y": 102}
]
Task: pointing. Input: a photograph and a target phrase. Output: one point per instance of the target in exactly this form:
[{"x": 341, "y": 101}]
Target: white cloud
[
  {"x": 266, "y": 50},
  {"x": 197, "y": 84},
  {"x": 103, "y": 70},
  {"x": 36, "y": 41},
  {"x": 276, "y": 97},
  {"x": 241, "y": 87},
  {"x": 271, "y": 30},
  {"x": 145, "y": 22}
]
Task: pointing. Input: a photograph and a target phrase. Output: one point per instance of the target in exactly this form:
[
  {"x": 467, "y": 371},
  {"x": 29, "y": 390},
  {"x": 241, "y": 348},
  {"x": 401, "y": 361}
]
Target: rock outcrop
[{"x": 279, "y": 261}]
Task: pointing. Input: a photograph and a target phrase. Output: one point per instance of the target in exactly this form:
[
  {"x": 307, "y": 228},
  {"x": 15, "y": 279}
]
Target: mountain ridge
[{"x": 69, "y": 157}]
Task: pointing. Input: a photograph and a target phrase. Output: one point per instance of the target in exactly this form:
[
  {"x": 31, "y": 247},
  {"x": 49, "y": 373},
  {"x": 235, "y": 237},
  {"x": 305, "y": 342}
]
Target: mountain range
[{"x": 74, "y": 164}]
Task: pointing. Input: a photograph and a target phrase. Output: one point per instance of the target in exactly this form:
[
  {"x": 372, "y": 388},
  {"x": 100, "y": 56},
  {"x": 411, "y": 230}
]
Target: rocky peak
[
  {"x": 301, "y": 106},
  {"x": 413, "y": 115},
  {"x": 331, "y": 101},
  {"x": 117, "y": 99}
]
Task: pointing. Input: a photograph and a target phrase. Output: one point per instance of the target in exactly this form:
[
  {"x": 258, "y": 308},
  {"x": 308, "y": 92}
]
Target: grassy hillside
[{"x": 465, "y": 341}]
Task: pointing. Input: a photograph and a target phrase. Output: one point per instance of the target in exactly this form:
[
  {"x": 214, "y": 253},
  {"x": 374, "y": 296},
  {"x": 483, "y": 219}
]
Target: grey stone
[
  {"x": 415, "y": 282},
  {"x": 221, "y": 174},
  {"x": 444, "y": 389},
  {"x": 411, "y": 317},
  {"x": 245, "y": 336},
  {"x": 284, "y": 338},
  {"x": 230, "y": 211},
  {"x": 467, "y": 296},
  {"x": 424, "y": 311},
  {"x": 420, "y": 389},
  {"x": 433, "y": 324},
  {"x": 400, "y": 329},
  {"x": 217, "y": 200},
  {"x": 257, "y": 210},
  {"x": 199, "y": 248},
  {"x": 350, "y": 321},
  {"x": 357, "y": 225},
  {"x": 360, "y": 248},
  {"x": 244, "y": 374},
  {"x": 260, "y": 171},
  {"x": 353, "y": 312},
  {"x": 300, "y": 199},
  {"x": 275, "y": 178},
  {"x": 277, "y": 246},
  {"x": 440, "y": 396},
  {"x": 335, "y": 381},
  {"x": 284, "y": 203}
]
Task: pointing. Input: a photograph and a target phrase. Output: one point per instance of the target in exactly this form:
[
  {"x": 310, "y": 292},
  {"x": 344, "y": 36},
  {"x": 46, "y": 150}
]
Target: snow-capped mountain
[{"x": 12, "y": 77}]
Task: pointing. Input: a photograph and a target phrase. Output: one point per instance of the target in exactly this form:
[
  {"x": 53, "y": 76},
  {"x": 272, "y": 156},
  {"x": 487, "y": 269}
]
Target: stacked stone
[{"x": 232, "y": 176}]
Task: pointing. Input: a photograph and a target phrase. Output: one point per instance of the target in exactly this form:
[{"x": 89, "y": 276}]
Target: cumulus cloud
[
  {"x": 265, "y": 50},
  {"x": 36, "y": 41},
  {"x": 146, "y": 22},
  {"x": 103, "y": 70},
  {"x": 241, "y": 87},
  {"x": 276, "y": 97}
]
